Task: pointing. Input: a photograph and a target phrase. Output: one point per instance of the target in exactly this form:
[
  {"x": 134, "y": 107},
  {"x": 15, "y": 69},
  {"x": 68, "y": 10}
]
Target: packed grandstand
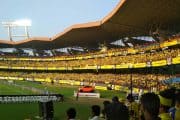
[
  {"x": 138, "y": 64},
  {"x": 158, "y": 60}
]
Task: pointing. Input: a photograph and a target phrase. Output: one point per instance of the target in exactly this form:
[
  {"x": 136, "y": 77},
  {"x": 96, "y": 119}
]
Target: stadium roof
[{"x": 129, "y": 18}]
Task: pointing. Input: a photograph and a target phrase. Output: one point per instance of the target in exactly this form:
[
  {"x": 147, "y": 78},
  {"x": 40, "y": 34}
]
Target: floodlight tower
[
  {"x": 8, "y": 25},
  {"x": 18, "y": 23}
]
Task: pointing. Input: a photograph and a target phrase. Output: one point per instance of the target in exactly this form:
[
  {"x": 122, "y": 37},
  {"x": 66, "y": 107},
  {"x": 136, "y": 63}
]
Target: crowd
[
  {"x": 162, "y": 106},
  {"x": 137, "y": 48},
  {"x": 151, "y": 107},
  {"x": 116, "y": 56},
  {"x": 145, "y": 81},
  {"x": 103, "y": 60}
]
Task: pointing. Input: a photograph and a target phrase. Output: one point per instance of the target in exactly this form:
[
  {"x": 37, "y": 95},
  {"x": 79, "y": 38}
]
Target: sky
[{"x": 50, "y": 17}]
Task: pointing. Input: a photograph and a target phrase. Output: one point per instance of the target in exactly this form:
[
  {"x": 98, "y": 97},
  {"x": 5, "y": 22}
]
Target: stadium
[{"x": 124, "y": 53}]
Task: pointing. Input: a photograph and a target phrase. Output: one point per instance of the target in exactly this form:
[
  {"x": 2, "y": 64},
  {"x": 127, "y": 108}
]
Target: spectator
[
  {"x": 165, "y": 97},
  {"x": 105, "y": 103},
  {"x": 133, "y": 107},
  {"x": 117, "y": 111},
  {"x": 149, "y": 107},
  {"x": 96, "y": 113},
  {"x": 71, "y": 114},
  {"x": 175, "y": 111}
]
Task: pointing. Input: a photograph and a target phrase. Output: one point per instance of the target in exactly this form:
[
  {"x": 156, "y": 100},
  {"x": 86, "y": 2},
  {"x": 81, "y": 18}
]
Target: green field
[{"x": 23, "y": 111}]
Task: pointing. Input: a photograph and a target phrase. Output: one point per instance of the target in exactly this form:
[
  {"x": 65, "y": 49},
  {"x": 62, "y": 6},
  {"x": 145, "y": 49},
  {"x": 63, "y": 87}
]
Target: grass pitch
[{"x": 27, "y": 111}]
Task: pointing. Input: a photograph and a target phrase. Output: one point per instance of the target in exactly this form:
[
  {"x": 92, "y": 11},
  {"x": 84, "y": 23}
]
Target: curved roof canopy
[{"x": 128, "y": 19}]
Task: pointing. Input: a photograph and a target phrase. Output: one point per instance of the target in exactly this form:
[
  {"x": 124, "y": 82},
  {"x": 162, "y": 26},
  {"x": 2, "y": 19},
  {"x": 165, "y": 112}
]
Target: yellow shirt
[
  {"x": 177, "y": 114},
  {"x": 135, "y": 107},
  {"x": 165, "y": 116}
]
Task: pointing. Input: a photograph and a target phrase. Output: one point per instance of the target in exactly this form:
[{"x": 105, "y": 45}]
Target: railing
[{"x": 30, "y": 98}]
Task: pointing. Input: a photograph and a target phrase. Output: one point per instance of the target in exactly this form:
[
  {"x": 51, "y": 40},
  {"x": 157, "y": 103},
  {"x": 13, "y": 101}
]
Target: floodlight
[
  {"x": 24, "y": 22},
  {"x": 19, "y": 23}
]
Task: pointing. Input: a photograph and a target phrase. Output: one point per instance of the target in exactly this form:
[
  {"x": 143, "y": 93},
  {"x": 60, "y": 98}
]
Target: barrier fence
[{"x": 30, "y": 98}]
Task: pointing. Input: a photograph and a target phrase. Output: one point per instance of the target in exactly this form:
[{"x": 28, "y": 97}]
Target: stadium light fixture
[
  {"x": 24, "y": 22},
  {"x": 18, "y": 23}
]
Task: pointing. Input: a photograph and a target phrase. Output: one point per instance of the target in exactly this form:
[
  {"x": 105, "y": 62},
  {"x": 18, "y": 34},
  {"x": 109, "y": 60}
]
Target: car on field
[{"x": 87, "y": 89}]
